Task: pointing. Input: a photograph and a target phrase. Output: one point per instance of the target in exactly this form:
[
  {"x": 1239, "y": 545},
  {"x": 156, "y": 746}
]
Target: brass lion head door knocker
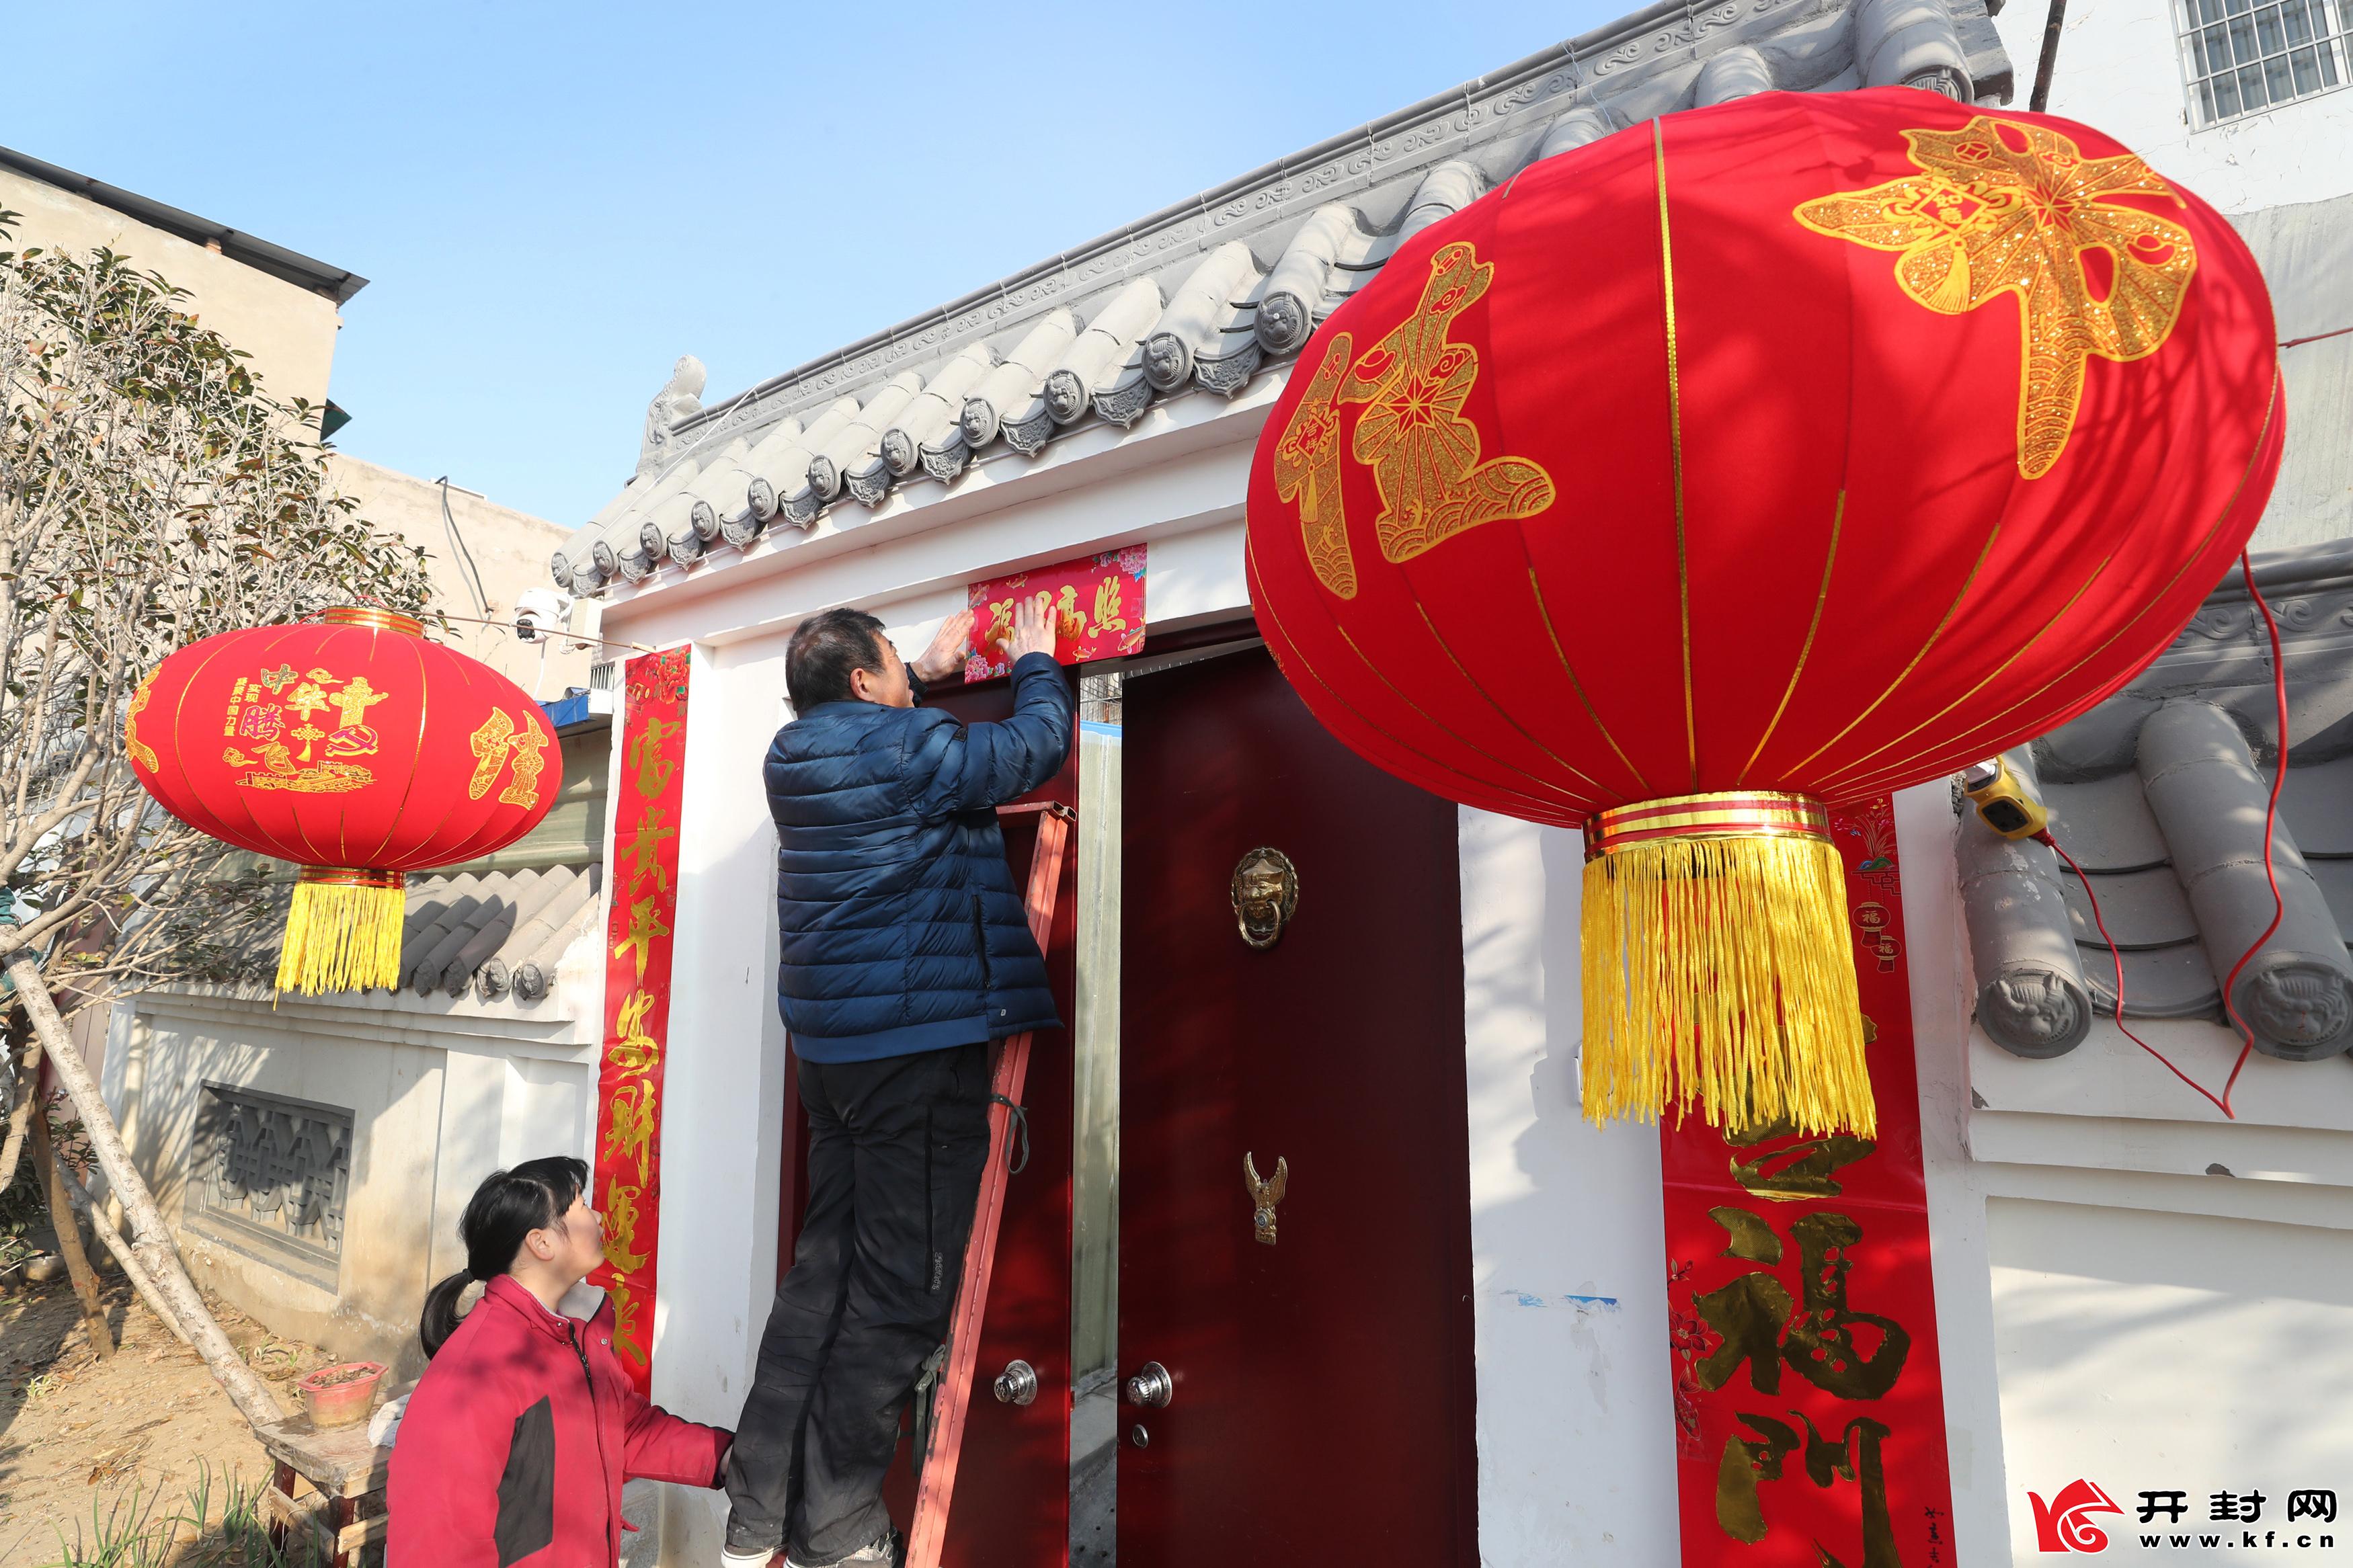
[
  {"x": 1264, "y": 1194},
  {"x": 1265, "y": 895}
]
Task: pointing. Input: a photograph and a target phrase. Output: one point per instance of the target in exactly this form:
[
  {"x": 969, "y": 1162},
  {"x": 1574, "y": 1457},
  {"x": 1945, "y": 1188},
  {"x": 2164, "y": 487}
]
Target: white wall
[
  {"x": 723, "y": 1086},
  {"x": 439, "y": 1096},
  {"x": 1574, "y": 1386},
  {"x": 1574, "y": 1417},
  {"x": 2165, "y": 1297},
  {"x": 1958, "y": 1247},
  {"x": 1576, "y": 1426},
  {"x": 2142, "y": 1350},
  {"x": 908, "y": 561},
  {"x": 2119, "y": 68}
]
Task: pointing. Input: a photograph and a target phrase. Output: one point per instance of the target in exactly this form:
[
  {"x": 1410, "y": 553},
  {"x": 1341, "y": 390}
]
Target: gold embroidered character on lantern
[
  {"x": 1423, "y": 453},
  {"x": 2000, "y": 208}
]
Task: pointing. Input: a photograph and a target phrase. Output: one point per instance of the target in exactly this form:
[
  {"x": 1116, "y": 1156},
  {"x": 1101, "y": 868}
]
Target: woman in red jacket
[{"x": 512, "y": 1451}]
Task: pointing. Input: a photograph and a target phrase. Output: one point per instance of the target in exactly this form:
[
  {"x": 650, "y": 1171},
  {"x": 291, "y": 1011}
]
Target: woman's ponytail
[
  {"x": 441, "y": 1319},
  {"x": 505, "y": 1210}
]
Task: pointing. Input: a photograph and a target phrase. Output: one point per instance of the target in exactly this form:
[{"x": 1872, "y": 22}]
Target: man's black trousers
[{"x": 895, "y": 1152}]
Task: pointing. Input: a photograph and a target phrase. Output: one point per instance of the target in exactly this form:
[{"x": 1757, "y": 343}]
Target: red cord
[
  {"x": 2270, "y": 817},
  {"x": 2271, "y": 873},
  {"x": 2294, "y": 343},
  {"x": 2118, "y": 957}
]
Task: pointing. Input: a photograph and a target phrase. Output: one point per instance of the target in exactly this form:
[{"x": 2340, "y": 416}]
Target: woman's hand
[{"x": 945, "y": 655}]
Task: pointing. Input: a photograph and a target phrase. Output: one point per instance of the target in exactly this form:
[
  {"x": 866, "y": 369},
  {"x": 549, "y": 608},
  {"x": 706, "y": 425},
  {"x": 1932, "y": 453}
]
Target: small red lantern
[
  {"x": 1780, "y": 453},
  {"x": 356, "y": 748}
]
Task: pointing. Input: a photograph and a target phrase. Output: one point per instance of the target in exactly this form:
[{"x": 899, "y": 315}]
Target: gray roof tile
[
  {"x": 491, "y": 933},
  {"x": 2142, "y": 909},
  {"x": 2159, "y": 983},
  {"x": 1206, "y": 294},
  {"x": 2318, "y": 802},
  {"x": 2106, "y": 822},
  {"x": 2335, "y": 876},
  {"x": 2159, "y": 793}
]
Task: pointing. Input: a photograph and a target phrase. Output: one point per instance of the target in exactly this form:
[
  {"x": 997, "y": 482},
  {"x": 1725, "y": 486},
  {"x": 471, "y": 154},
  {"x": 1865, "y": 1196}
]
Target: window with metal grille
[{"x": 2243, "y": 56}]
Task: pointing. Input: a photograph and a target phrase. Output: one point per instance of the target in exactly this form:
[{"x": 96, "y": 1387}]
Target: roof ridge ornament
[{"x": 680, "y": 400}]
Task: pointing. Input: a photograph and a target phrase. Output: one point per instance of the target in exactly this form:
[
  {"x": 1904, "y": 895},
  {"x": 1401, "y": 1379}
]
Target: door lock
[
  {"x": 1018, "y": 1383},
  {"x": 1151, "y": 1386}
]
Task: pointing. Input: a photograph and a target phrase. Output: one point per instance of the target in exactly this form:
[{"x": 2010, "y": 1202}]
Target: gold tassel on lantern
[
  {"x": 344, "y": 932},
  {"x": 1717, "y": 966}
]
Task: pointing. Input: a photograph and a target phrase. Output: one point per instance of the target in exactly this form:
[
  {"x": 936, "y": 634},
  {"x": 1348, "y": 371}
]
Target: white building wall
[
  {"x": 1575, "y": 1408},
  {"x": 2146, "y": 1350},
  {"x": 723, "y": 1084},
  {"x": 441, "y": 1093},
  {"x": 2151, "y": 1324},
  {"x": 2119, "y": 68},
  {"x": 909, "y": 562},
  {"x": 2163, "y": 1297},
  {"x": 1574, "y": 1392}
]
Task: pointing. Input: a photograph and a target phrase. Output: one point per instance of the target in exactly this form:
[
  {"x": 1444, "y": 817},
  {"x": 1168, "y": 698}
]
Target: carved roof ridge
[
  {"x": 1315, "y": 225},
  {"x": 1451, "y": 100}
]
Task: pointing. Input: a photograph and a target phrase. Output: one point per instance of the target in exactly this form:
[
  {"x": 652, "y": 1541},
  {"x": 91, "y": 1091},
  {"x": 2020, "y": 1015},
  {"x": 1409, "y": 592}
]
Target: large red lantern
[
  {"x": 355, "y": 747},
  {"x": 1771, "y": 454}
]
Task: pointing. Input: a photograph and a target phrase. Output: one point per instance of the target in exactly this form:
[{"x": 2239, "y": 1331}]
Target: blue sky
[{"x": 553, "y": 203}]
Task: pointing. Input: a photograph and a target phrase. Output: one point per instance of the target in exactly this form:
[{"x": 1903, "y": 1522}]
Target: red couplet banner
[
  {"x": 647, "y": 790},
  {"x": 1809, "y": 1409},
  {"x": 1098, "y": 610}
]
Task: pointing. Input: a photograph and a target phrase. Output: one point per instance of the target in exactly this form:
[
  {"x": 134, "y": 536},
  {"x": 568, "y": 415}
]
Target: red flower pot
[{"x": 341, "y": 1396}]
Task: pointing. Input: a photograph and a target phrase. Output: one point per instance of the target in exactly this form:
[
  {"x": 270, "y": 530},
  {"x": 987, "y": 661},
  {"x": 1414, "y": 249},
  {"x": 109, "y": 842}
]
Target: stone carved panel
[{"x": 279, "y": 1166}]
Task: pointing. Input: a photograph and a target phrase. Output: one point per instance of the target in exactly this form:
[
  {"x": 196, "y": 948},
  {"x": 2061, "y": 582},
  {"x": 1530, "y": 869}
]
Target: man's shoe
[
  {"x": 890, "y": 1552},
  {"x": 754, "y": 1559}
]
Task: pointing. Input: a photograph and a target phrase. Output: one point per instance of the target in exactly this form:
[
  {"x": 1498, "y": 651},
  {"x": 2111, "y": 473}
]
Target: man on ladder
[{"x": 904, "y": 951}]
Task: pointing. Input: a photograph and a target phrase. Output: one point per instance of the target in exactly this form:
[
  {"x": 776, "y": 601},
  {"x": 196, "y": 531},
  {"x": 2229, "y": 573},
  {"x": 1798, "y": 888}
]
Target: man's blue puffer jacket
[{"x": 901, "y": 928}]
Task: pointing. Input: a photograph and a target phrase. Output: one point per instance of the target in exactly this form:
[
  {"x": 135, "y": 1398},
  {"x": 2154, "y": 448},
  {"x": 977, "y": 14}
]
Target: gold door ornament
[
  {"x": 1265, "y": 895},
  {"x": 1265, "y": 1193}
]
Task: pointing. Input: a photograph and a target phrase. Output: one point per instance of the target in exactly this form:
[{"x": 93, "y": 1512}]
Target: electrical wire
[
  {"x": 2271, "y": 820},
  {"x": 469, "y": 573},
  {"x": 2270, "y": 874},
  {"x": 2117, "y": 956},
  {"x": 547, "y": 634}
]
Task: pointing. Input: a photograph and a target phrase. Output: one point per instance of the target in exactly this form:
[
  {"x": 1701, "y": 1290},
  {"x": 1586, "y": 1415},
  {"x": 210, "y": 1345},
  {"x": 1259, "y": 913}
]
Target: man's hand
[
  {"x": 1033, "y": 628},
  {"x": 945, "y": 655}
]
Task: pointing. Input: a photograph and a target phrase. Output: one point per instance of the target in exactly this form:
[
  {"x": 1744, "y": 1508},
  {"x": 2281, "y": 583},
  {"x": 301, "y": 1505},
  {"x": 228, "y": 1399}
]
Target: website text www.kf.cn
[{"x": 2072, "y": 1518}]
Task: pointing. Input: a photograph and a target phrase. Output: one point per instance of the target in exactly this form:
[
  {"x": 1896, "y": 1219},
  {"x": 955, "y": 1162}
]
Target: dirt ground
[{"x": 81, "y": 1437}]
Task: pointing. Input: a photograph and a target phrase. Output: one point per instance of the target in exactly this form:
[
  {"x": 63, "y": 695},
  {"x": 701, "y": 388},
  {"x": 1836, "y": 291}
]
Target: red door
[
  {"x": 1321, "y": 1387},
  {"x": 1011, "y": 1508}
]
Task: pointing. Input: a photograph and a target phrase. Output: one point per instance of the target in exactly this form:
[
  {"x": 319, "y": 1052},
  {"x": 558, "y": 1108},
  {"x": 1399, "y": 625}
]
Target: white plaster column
[
  {"x": 1937, "y": 961},
  {"x": 723, "y": 1091},
  {"x": 472, "y": 1116},
  {"x": 1568, "y": 1257}
]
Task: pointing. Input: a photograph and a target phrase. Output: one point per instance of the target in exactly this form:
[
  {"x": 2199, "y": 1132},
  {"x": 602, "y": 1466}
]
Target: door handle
[
  {"x": 1018, "y": 1383},
  {"x": 1151, "y": 1386}
]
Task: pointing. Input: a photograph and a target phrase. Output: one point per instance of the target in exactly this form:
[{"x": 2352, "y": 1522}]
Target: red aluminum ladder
[{"x": 953, "y": 1398}]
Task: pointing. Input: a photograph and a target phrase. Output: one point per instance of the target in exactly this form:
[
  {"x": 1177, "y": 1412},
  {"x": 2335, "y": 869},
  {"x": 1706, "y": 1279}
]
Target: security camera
[{"x": 540, "y": 611}]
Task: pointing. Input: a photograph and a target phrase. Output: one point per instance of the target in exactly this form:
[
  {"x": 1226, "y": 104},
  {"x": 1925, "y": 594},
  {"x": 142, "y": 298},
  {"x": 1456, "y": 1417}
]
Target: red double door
[{"x": 1319, "y": 1404}]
